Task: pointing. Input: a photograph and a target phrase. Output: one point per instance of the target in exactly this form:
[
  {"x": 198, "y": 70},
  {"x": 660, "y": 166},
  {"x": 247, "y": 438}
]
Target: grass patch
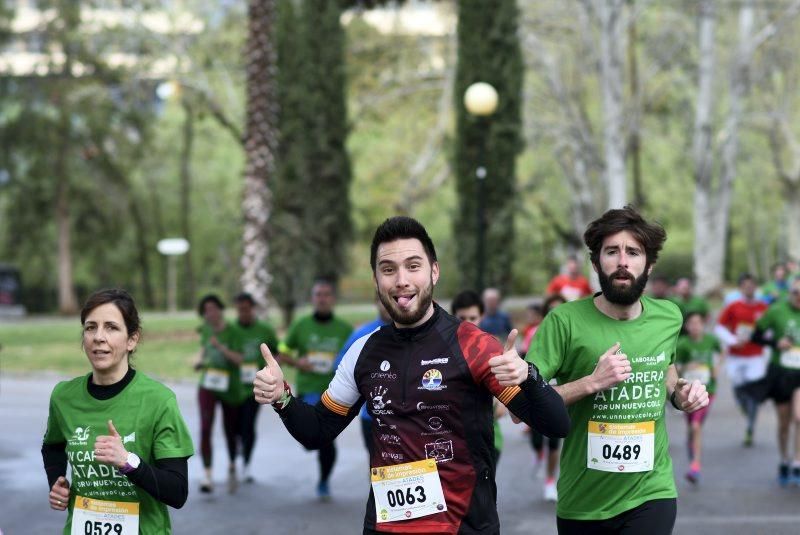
[{"x": 169, "y": 344}]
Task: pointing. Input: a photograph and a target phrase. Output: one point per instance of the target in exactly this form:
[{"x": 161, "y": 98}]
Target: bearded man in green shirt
[{"x": 613, "y": 356}]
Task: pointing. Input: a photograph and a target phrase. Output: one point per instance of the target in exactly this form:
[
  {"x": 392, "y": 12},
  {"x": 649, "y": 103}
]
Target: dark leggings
[
  {"x": 748, "y": 403},
  {"x": 327, "y": 457},
  {"x": 230, "y": 416},
  {"x": 537, "y": 441},
  {"x": 656, "y": 517},
  {"x": 248, "y": 414}
]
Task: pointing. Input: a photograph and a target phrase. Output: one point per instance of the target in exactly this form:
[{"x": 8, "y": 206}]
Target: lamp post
[
  {"x": 480, "y": 100},
  {"x": 172, "y": 248}
]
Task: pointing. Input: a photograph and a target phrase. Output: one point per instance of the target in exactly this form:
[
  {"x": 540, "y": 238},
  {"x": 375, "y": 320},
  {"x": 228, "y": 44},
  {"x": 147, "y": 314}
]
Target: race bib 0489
[
  {"x": 100, "y": 517},
  {"x": 620, "y": 447},
  {"x": 406, "y": 491}
]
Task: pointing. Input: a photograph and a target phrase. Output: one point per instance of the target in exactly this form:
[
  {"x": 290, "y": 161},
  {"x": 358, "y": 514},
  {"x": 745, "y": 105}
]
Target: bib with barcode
[
  {"x": 321, "y": 362},
  {"x": 406, "y": 491},
  {"x": 791, "y": 358},
  {"x": 698, "y": 372},
  {"x": 100, "y": 517},
  {"x": 216, "y": 380},
  {"x": 620, "y": 447},
  {"x": 247, "y": 372}
]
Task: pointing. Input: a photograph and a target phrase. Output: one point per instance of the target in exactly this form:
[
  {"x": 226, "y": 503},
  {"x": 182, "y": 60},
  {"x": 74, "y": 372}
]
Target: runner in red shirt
[
  {"x": 571, "y": 284},
  {"x": 745, "y": 360}
]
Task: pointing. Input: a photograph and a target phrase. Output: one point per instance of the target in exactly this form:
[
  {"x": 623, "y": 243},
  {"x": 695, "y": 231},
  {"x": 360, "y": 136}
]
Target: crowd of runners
[{"x": 589, "y": 377}]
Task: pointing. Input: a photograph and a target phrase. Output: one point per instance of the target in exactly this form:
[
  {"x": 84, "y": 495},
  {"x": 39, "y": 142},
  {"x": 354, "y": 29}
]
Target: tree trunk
[
  {"x": 793, "y": 220},
  {"x": 610, "y": 13},
  {"x": 67, "y": 298},
  {"x": 712, "y": 203},
  {"x": 702, "y": 149},
  {"x": 261, "y": 142},
  {"x": 635, "y": 135},
  {"x": 189, "y": 293}
]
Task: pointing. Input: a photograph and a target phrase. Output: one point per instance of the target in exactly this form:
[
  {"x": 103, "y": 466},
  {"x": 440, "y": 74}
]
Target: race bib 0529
[{"x": 100, "y": 517}]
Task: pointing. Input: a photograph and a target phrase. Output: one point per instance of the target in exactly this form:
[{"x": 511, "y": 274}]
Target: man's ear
[
  {"x": 435, "y": 272},
  {"x": 650, "y": 269}
]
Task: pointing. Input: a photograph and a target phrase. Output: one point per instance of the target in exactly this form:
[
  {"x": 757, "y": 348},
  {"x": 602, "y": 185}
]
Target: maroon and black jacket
[{"x": 429, "y": 390}]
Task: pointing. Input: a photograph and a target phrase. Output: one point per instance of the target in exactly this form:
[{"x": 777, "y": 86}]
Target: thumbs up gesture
[
  {"x": 509, "y": 368},
  {"x": 268, "y": 385},
  {"x": 59, "y": 494},
  {"x": 108, "y": 449},
  {"x": 612, "y": 368}
]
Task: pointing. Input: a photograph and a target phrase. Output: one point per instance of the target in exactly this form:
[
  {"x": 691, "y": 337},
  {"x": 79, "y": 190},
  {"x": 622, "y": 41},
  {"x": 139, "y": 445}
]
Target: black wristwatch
[{"x": 533, "y": 373}]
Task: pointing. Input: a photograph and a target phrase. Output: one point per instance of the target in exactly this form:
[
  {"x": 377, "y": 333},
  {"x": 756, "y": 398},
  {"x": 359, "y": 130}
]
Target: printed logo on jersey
[
  {"x": 435, "y": 423},
  {"x": 432, "y": 380},
  {"x": 380, "y": 423},
  {"x": 650, "y": 360},
  {"x": 379, "y": 400},
  {"x": 80, "y": 435},
  {"x": 129, "y": 438},
  {"x": 440, "y": 360},
  {"x": 384, "y": 373},
  {"x": 389, "y": 438},
  {"x": 385, "y": 455},
  {"x": 436, "y": 426},
  {"x": 440, "y": 449},
  {"x": 422, "y": 406}
]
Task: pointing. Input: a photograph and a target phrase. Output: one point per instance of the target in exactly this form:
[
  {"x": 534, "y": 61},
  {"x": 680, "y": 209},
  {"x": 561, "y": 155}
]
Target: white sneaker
[{"x": 550, "y": 492}]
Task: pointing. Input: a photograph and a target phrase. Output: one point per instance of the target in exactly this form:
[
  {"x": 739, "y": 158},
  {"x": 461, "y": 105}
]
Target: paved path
[{"x": 738, "y": 494}]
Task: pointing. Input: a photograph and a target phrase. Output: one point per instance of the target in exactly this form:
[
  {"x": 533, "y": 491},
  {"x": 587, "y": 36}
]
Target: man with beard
[
  {"x": 427, "y": 384},
  {"x": 613, "y": 356}
]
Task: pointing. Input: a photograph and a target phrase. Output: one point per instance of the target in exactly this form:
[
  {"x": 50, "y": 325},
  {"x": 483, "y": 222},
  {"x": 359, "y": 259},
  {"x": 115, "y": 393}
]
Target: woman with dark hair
[
  {"x": 120, "y": 431},
  {"x": 220, "y": 381}
]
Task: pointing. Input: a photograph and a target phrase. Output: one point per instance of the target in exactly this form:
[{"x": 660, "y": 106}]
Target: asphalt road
[{"x": 738, "y": 494}]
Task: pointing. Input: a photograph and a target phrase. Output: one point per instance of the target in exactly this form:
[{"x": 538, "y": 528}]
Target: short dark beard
[
  {"x": 622, "y": 296},
  {"x": 424, "y": 299}
]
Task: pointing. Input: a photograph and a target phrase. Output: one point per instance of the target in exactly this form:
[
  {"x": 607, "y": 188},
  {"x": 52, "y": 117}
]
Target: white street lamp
[
  {"x": 481, "y": 99},
  {"x": 172, "y": 248}
]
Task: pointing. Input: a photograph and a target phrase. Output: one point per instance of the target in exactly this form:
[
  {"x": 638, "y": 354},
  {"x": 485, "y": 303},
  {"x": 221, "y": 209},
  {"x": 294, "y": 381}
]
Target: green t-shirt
[
  {"x": 697, "y": 359},
  {"x": 774, "y": 291},
  {"x": 219, "y": 374},
  {"x": 320, "y": 342},
  {"x": 783, "y": 320},
  {"x": 250, "y": 338},
  {"x": 145, "y": 414},
  {"x": 566, "y": 347},
  {"x": 693, "y": 304},
  {"x": 498, "y": 436}
]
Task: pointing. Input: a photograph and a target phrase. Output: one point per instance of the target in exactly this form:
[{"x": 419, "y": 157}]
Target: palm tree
[{"x": 260, "y": 145}]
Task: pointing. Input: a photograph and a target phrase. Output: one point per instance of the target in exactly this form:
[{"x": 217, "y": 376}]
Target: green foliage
[{"x": 489, "y": 51}]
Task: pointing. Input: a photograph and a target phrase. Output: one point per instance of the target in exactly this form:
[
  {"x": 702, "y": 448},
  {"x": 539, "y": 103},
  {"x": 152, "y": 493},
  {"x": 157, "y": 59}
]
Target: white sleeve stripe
[{"x": 343, "y": 389}]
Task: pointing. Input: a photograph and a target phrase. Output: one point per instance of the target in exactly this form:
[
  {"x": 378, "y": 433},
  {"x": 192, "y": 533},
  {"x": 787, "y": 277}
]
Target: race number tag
[
  {"x": 216, "y": 380},
  {"x": 621, "y": 447},
  {"x": 791, "y": 358},
  {"x": 406, "y": 491},
  {"x": 699, "y": 372},
  {"x": 99, "y": 517},
  {"x": 744, "y": 331},
  {"x": 321, "y": 362},
  {"x": 247, "y": 372}
]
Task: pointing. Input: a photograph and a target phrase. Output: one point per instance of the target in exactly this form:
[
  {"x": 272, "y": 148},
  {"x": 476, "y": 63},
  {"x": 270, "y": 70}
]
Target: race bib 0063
[{"x": 406, "y": 491}]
